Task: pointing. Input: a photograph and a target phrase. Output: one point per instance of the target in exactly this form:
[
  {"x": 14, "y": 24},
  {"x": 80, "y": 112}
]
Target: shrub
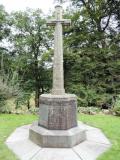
[
  {"x": 89, "y": 97},
  {"x": 116, "y": 108},
  {"x": 89, "y": 110},
  {"x": 9, "y": 87}
]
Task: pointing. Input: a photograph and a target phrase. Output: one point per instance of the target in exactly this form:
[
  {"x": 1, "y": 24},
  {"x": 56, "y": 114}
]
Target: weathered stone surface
[
  {"x": 58, "y": 112},
  {"x": 90, "y": 149},
  {"x": 58, "y": 78},
  {"x": 56, "y": 154},
  {"x": 24, "y": 149},
  {"x": 56, "y": 138},
  {"x": 97, "y": 136}
]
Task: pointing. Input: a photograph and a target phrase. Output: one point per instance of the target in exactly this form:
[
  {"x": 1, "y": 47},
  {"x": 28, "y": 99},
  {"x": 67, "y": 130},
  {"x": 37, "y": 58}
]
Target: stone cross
[{"x": 58, "y": 78}]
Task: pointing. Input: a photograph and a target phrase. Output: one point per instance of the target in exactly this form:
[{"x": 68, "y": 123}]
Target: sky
[{"x": 15, "y": 5}]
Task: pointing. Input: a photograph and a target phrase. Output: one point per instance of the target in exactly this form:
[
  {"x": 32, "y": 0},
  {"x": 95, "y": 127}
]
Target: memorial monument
[{"x": 57, "y": 125}]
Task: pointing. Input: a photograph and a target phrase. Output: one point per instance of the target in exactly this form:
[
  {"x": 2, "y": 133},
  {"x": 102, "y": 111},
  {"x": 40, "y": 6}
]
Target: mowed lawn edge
[
  {"x": 110, "y": 125},
  {"x": 8, "y": 123}
]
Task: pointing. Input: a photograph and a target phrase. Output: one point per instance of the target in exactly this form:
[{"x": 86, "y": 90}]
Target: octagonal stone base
[
  {"x": 95, "y": 144},
  {"x": 58, "y": 112},
  {"x": 56, "y": 138}
]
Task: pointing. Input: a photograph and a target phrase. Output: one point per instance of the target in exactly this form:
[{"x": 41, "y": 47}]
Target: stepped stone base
[
  {"x": 57, "y": 126},
  {"x": 95, "y": 144},
  {"x": 56, "y": 138}
]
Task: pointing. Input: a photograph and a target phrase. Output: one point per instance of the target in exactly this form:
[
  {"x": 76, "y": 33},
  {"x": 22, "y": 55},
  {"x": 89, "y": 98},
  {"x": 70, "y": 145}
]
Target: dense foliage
[
  {"x": 27, "y": 52},
  {"x": 91, "y": 53},
  {"x": 92, "y": 61}
]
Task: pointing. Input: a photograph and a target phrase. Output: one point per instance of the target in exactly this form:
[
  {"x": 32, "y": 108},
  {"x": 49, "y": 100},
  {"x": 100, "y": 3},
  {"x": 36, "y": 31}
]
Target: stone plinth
[
  {"x": 57, "y": 126},
  {"x": 56, "y": 138},
  {"x": 58, "y": 112}
]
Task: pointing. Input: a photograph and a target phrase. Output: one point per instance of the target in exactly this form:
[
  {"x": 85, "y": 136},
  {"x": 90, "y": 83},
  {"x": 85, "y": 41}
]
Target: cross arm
[
  {"x": 51, "y": 22},
  {"x": 65, "y": 22}
]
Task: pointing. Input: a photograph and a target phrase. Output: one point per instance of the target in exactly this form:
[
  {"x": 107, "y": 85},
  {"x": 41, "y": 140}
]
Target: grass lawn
[
  {"x": 109, "y": 124},
  {"x": 7, "y": 125}
]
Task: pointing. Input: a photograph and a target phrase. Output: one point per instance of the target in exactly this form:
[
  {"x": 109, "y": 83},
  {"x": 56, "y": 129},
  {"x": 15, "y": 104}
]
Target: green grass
[
  {"x": 109, "y": 124},
  {"x": 7, "y": 125}
]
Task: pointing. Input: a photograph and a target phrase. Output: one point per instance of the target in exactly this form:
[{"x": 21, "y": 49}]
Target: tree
[
  {"x": 30, "y": 42},
  {"x": 4, "y": 33},
  {"x": 92, "y": 62}
]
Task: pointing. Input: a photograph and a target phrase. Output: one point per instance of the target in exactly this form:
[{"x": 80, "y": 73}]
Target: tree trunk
[
  {"x": 37, "y": 97},
  {"x": 28, "y": 104}
]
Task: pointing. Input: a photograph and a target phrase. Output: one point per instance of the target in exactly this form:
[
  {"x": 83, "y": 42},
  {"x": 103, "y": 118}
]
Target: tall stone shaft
[
  {"x": 58, "y": 71},
  {"x": 58, "y": 78}
]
